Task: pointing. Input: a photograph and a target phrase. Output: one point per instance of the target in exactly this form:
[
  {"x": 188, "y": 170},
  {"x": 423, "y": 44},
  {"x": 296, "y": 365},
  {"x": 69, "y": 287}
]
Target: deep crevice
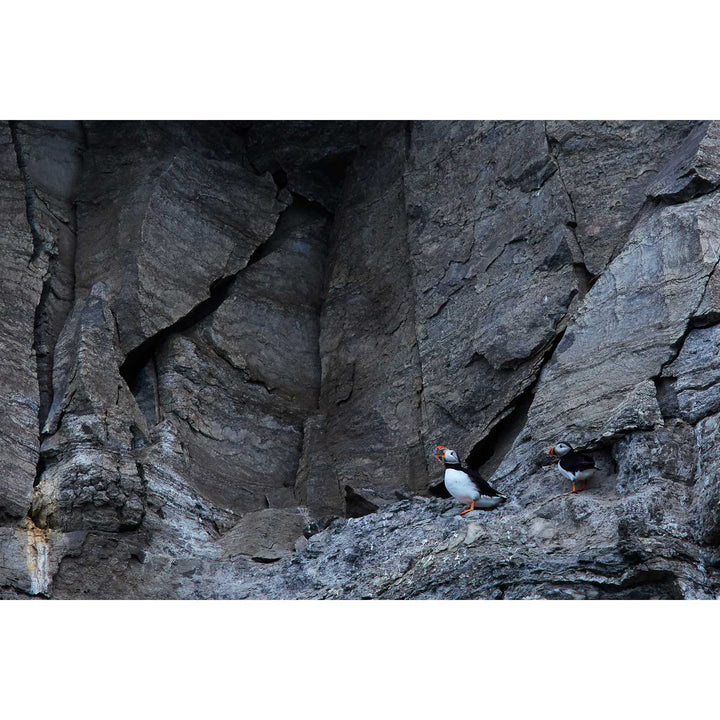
[
  {"x": 334, "y": 167},
  {"x": 487, "y": 454},
  {"x": 666, "y": 396},
  {"x": 220, "y": 289},
  {"x": 42, "y": 466},
  {"x": 300, "y": 201},
  {"x": 280, "y": 179},
  {"x": 38, "y": 244},
  {"x": 356, "y": 505},
  {"x": 138, "y": 358},
  {"x": 584, "y": 277},
  {"x": 696, "y": 188}
]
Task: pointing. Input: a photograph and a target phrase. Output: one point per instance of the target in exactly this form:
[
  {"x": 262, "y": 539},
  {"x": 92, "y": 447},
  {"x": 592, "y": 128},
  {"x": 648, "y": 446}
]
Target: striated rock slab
[
  {"x": 21, "y": 273},
  {"x": 237, "y": 387},
  {"x": 493, "y": 260},
  {"x": 50, "y": 159},
  {"x": 628, "y": 325},
  {"x": 367, "y": 431},
  {"x": 91, "y": 478},
  {"x": 608, "y": 168},
  {"x": 697, "y": 369},
  {"x": 164, "y": 223}
]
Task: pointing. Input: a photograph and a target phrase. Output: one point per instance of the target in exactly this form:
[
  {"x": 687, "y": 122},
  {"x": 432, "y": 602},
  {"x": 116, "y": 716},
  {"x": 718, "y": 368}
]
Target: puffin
[
  {"x": 573, "y": 465},
  {"x": 464, "y": 484}
]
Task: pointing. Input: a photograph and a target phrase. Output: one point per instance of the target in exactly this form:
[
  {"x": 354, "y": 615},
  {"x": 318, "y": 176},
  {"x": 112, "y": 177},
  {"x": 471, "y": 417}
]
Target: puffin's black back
[
  {"x": 482, "y": 484},
  {"x": 439, "y": 490},
  {"x": 575, "y": 461}
]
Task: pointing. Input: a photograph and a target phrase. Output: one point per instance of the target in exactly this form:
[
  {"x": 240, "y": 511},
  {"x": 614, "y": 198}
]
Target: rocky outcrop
[
  {"x": 229, "y": 350},
  {"x": 140, "y": 217},
  {"x": 90, "y": 474},
  {"x": 234, "y": 389},
  {"x": 21, "y": 274},
  {"x": 494, "y": 275},
  {"x": 420, "y": 549},
  {"x": 369, "y": 404}
]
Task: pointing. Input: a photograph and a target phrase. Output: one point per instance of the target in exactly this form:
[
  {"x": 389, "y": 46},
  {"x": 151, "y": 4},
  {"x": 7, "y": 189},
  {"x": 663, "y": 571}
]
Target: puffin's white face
[
  {"x": 562, "y": 448},
  {"x": 447, "y": 455}
]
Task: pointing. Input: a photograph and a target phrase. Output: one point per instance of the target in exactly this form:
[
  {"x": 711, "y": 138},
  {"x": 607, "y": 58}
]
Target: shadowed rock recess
[{"x": 229, "y": 349}]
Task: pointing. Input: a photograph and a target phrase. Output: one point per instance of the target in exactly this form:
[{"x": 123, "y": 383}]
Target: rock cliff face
[{"x": 230, "y": 349}]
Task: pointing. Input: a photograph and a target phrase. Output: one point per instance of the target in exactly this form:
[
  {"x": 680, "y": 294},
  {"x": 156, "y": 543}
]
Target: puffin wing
[
  {"x": 439, "y": 490},
  {"x": 576, "y": 462},
  {"x": 481, "y": 484}
]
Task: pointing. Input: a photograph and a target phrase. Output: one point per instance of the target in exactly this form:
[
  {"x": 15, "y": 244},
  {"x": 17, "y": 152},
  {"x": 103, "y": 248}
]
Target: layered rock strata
[{"x": 230, "y": 348}]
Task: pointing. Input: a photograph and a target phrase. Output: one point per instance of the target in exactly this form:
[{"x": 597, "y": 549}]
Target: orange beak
[
  {"x": 552, "y": 450},
  {"x": 442, "y": 454}
]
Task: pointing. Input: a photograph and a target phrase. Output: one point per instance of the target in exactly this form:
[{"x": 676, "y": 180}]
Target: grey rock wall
[
  {"x": 229, "y": 350},
  {"x": 21, "y": 274},
  {"x": 369, "y": 404}
]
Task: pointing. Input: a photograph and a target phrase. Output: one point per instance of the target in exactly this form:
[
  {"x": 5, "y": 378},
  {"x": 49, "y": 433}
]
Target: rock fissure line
[
  {"x": 245, "y": 375},
  {"x": 219, "y": 292},
  {"x": 39, "y": 249},
  {"x": 677, "y": 346},
  {"x": 43, "y": 337},
  {"x": 411, "y": 316},
  {"x": 512, "y": 420},
  {"x": 582, "y": 272},
  {"x": 30, "y": 195}
]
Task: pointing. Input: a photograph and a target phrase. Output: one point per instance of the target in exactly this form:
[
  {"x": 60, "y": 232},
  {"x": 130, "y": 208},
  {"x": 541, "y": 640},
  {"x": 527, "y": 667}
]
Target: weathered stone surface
[
  {"x": 694, "y": 169},
  {"x": 668, "y": 453},
  {"x": 697, "y": 369},
  {"x": 241, "y": 442},
  {"x": 626, "y": 329},
  {"x": 20, "y": 288},
  {"x": 266, "y": 535},
  {"x": 492, "y": 254},
  {"x": 413, "y": 550},
  {"x": 30, "y": 558},
  {"x": 244, "y": 358},
  {"x": 237, "y": 386},
  {"x": 269, "y": 325},
  {"x": 140, "y": 218},
  {"x": 706, "y": 503},
  {"x": 370, "y": 392},
  {"x": 607, "y": 169},
  {"x": 92, "y": 479}
]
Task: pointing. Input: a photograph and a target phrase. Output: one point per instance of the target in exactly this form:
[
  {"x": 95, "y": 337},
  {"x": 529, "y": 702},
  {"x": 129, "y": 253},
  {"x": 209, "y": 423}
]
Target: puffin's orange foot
[
  {"x": 467, "y": 510},
  {"x": 573, "y": 491}
]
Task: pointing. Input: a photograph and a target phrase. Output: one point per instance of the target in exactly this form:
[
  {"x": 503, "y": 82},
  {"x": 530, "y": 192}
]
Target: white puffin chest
[
  {"x": 575, "y": 475},
  {"x": 460, "y": 485}
]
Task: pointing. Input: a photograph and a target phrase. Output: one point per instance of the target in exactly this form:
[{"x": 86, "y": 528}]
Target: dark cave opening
[{"x": 487, "y": 454}]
